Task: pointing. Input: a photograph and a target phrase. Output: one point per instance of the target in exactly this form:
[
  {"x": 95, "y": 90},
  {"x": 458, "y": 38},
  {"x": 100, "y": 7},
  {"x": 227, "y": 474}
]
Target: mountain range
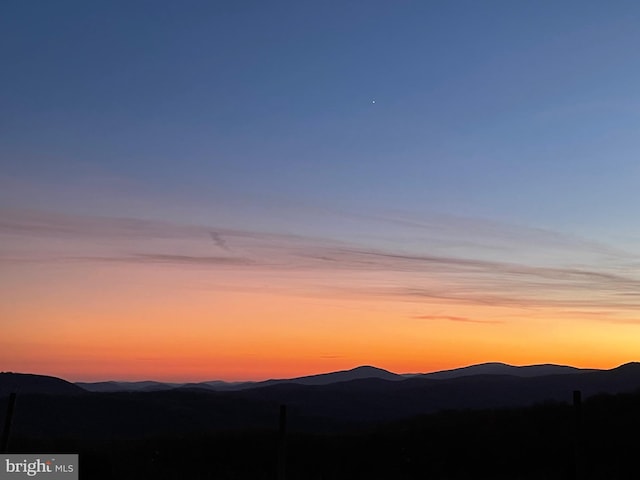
[
  {"x": 358, "y": 373},
  {"x": 491, "y": 420},
  {"x": 346, "y": 399}
]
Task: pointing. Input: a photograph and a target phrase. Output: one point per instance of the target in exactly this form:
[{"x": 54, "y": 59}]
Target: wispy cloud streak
[
  {"x": 452, "y": 318},
  {"x": 585, "y": 275}
]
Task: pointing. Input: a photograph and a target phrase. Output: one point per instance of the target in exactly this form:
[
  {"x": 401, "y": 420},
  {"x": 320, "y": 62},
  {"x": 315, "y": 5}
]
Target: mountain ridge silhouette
[
  {"x": 362, "y": 371},
  {"x": 339, "y": 405}
]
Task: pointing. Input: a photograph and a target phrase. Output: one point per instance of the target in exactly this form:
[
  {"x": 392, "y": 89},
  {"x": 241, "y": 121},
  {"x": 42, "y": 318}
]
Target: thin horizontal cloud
[
  {"x": 623, "y": 321},
  {"x": 46, "y": 225},
  {"x": 190, "y": 259},
  {"x": 145, "y": 258},
  {"x": 36, "y": 223},
  {"x": 485, "y": 282},
  {"x": 583, "y": 276},
  {"x": 361, "y": 258},
  {"x": 526, "y": 300},
  {"x": 452, "y": 318},
  {"x": 451, "y": 233},
  {"x": 125, "y": 239}
]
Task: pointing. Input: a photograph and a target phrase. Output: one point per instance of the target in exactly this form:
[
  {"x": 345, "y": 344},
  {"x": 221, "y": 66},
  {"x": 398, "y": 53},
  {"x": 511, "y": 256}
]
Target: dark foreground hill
[
  {"x": 545, "y": 441},
  {"x": 27, "y": 383},
  {"x": 480, "y": 426}
]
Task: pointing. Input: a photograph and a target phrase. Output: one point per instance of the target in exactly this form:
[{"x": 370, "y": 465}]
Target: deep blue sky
[{"x": 523, "y": 111}]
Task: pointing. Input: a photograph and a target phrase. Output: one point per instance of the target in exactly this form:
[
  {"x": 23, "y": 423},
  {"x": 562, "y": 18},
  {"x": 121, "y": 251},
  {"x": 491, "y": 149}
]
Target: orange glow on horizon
[
  {"x": 137, "y": 322},
  {"x": 260, "y": 336}
]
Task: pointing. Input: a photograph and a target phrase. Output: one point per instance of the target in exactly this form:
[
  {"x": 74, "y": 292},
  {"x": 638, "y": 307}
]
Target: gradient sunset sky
[{"x": 241, "y": 190}]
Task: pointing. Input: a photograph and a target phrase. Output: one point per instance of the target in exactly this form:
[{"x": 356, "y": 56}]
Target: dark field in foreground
[{"x": 518, "y": 443}]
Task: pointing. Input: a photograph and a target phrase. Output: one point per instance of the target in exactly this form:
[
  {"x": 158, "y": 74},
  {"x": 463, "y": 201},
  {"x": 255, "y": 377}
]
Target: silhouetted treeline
[{"x": 524, "y": 443}]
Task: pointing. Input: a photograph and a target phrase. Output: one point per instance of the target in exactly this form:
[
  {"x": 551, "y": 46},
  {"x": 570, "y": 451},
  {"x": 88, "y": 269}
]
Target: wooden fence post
[
  {"x": 6, "y": 430},
  {"x": 282, "y": 433},
  {"x": 577, "y": 436}
]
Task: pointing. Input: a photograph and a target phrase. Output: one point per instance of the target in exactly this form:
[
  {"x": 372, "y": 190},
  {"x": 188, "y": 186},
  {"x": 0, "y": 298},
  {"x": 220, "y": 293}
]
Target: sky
[{"x": 243, "y": 190}]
